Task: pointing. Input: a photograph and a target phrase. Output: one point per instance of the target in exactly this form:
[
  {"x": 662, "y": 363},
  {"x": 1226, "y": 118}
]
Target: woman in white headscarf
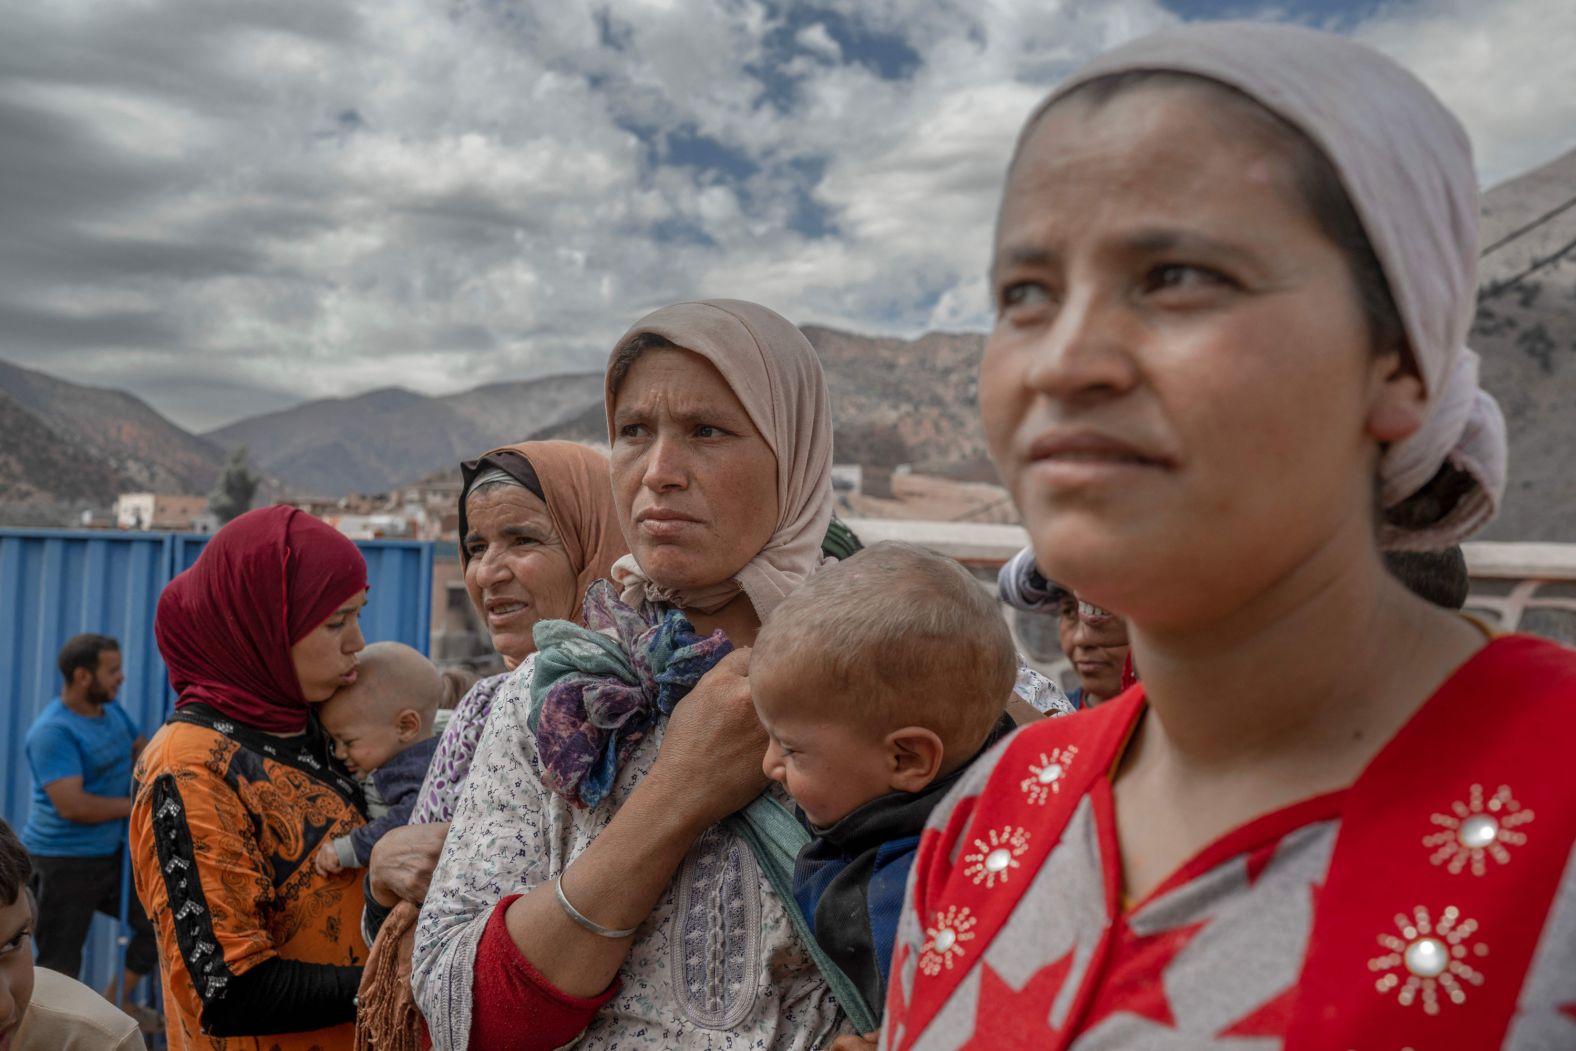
[
  {"x": 589, "y": 889},
  {"x": 1234, "y": 270}
]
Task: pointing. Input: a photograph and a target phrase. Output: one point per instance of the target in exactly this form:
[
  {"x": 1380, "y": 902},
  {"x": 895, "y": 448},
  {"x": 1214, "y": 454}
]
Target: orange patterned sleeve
[{"x": 198, "y": 866}]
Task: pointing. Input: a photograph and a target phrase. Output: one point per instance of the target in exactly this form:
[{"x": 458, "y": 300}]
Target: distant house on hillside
[
  {"x": 163, "y": 511},
  {"x": 382, "y": 526},
  {"x": 847, "y": 477},
  {"x": 867, "y": 479}
]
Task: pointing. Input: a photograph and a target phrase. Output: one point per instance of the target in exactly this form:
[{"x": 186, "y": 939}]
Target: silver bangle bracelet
[{"x": 589, "y": 924}]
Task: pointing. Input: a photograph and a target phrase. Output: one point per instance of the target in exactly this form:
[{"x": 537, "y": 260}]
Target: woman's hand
[
  {"x": 710, "y": 759},
  {"x": 708, "y": 766},
  {"x": 855, "y": 1043},
  {"x": 402, "y": 862}
]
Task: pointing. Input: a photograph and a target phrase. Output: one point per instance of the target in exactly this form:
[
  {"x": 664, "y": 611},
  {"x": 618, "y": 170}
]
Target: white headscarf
[
  {"x": 777, "y": 377},
  {"x": 1406, "y": 165}
]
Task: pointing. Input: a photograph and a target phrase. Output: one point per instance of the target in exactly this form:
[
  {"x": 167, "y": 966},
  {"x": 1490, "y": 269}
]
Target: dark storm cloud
[
  {"x": 52, "y": 172},
  {"x": 70, "y": 256},
  {"x": 173, "y": 49},
  {"x": 46, "y": 333}
]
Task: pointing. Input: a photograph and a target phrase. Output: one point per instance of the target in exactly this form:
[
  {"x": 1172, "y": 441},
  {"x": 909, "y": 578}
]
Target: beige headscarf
[
  {"x": 777, "y": 377},
  {"x": 1406, "y": 165},
  {"x": 573, "y": 483}
]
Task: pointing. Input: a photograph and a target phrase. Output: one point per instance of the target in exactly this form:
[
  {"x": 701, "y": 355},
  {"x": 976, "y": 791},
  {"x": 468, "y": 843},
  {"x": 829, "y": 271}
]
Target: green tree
[{"x": 232, "y": 493}]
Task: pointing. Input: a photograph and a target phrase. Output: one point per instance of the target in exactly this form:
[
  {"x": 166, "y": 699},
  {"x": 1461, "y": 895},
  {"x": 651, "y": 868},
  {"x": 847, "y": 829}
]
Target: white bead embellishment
[
  {"x": 1426, "y": 959},
  {"x": 1045, "y": 777},
  {"x": 995, "y": 856},
  {"x": 944, "y": 941},
  {"x": 1476, "y": 830}
]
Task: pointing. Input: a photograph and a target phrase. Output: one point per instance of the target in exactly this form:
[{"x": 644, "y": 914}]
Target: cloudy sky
[{"x": 226, "y": 209}]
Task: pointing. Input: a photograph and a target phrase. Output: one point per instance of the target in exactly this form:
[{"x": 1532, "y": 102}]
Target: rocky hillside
[
  {"x": 510, "y": 412},
  {"x": 898, "y": 401},
  {"x": 39, "y": 465},
  {"x": 1526, "y": 334},
  {"x": 66, "y": 445}
]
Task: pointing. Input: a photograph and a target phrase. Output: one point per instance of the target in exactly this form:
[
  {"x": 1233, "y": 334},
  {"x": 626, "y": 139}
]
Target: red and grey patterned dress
[{"x": 1431, "y": 905}]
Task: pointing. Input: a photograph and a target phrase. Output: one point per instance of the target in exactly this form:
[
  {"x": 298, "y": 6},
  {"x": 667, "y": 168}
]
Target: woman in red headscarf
[{"x": 237, "y": 790}]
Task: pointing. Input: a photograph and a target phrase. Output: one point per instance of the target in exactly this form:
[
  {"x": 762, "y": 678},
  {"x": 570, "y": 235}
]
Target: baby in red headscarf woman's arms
[
  {"x": 382, "y": 726},
  {"x": 878, "y": 682}
]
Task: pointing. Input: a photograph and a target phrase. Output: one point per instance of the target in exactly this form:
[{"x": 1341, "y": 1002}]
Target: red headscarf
[{"x": 226, "y": 625}]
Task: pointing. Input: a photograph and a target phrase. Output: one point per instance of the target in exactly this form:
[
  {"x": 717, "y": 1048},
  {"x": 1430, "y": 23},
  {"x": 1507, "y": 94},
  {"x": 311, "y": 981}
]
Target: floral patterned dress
[
  {"x": 224, "y": 824},
  {"x": 717, "y": 964}
]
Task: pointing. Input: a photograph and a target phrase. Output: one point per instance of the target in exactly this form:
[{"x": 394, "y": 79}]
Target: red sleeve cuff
[{"x": 515, "y": 1008}]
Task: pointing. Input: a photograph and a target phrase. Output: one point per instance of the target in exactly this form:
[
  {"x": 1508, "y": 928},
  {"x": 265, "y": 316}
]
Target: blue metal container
[{"x": 58, "y": 583}]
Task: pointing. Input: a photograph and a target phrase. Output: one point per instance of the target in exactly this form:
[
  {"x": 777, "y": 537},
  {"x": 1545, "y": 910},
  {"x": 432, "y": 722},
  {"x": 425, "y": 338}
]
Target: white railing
[{"x": 1510, "y": 580}]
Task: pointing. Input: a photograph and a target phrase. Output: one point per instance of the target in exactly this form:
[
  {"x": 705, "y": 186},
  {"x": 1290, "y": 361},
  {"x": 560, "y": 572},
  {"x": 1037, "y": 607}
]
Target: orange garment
[{"x": 224, "y": 825}]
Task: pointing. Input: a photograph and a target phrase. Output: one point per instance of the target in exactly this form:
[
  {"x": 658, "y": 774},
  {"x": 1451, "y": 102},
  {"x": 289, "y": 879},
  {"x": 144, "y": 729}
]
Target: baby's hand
[{"x": 327, "y": 860}]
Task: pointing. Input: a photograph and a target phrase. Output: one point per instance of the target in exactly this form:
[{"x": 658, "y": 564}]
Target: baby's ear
[
  {"x": 914, "y": 756},
  {"x": 408, "y": 723}
]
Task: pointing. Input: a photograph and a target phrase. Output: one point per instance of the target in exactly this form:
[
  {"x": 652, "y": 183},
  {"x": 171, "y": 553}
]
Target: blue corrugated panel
[
  {"x": 54, "y": 585},
  {"x": 59, "y": 583}
]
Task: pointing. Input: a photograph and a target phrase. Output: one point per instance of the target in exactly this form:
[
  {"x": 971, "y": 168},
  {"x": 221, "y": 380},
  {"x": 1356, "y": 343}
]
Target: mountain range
[
  {"x": 381, "y": 439},
  {"x": 895, "y": 401}
]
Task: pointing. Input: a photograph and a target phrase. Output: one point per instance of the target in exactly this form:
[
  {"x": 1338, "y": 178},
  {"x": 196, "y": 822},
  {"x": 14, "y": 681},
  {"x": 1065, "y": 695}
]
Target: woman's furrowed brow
[
  {"x": 626, "y": 414},
  {"x": 704, "y": 414},
  {"x": 689, "y": 415}
]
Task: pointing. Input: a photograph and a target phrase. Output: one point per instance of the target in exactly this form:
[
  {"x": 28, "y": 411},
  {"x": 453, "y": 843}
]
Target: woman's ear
[
  {"x": 1398, "y": 404},
  {"x": 408, "y": 724},
  {"x": 914, "y": 757}
]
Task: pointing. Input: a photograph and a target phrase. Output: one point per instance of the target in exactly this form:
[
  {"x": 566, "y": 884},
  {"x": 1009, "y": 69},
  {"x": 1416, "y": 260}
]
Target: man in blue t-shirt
[{"x": 80, "y": 750}]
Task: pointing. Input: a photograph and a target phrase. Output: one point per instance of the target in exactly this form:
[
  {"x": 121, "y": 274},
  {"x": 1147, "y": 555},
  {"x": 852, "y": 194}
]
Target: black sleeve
[
  {"x": 284, "y": 996},
  {"x": 373, "y": 911}
]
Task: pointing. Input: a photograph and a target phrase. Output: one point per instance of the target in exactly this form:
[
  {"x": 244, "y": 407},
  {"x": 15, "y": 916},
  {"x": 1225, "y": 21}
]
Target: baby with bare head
[
  {"x": 878, "y": 681},
  {"x": 382, "y": 727}
]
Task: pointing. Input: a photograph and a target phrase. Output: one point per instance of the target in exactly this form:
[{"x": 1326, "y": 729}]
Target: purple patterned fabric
[
  {"x": 597, "y": 690},
  {"x": 452, "y": 761}
]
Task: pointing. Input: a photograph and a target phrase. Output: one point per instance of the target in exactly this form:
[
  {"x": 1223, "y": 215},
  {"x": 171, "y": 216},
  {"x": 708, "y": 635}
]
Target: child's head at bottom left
[{"x": 16, "y": 926}]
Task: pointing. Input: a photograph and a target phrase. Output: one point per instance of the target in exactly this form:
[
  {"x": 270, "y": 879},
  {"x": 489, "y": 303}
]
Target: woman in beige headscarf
[
  {"x": 1234, "y": 273},
  {"x": 589, "y": 888}
]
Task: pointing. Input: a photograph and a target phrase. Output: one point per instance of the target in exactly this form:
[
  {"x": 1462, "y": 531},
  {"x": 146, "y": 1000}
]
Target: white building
[{"x": 161, "y": 511}]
